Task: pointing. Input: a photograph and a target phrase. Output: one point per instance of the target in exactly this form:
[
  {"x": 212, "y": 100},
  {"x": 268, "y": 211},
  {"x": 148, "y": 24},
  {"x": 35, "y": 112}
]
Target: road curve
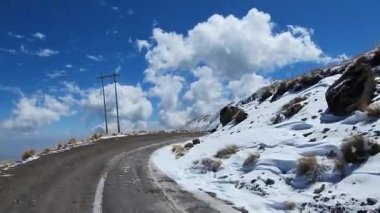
[{"x": 110, "y": 176}]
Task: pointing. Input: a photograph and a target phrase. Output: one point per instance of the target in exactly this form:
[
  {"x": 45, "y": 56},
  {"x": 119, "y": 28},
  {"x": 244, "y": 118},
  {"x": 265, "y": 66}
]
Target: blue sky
[{"x": 51, "y": 52}]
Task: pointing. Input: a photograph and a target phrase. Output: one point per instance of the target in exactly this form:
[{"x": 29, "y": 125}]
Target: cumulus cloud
[
  {"x": 33, "y": 112},
  {"x": 41, "y": 109},
  {"x": 226, "y": 55},
  {"x": 246, "y": 85},
  {"x": 134, "y": 106},
  {"x": 205, "y": 94}
]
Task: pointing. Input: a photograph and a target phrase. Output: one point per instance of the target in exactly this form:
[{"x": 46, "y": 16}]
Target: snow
[{"x": 310, "y": 132}]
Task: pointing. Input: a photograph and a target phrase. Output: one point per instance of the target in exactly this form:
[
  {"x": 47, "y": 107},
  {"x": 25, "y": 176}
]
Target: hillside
[{"x": 307, "y": 143}]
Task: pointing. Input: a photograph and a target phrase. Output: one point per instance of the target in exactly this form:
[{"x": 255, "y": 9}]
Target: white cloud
[
  {"x": 36, "y": 111},
  {"x": 95, "y": 58},
  {"x": 11, "y": 51},
  {"x": 246, "y": 85},
  {"x": 226, "y": 55},
  {"x": 234, "y": 46},
  {"x": 56, "y": 74},
  {"x": 39, "y": 35},
  {"x": 142, "y": 44},
  {"x": 69, "y": 66},
  {"x": 134, "y": 106},
  {"x": 14, "y": 90},
  {"x": 206, "y": 94},
  {"x": 46, "y": 52}
]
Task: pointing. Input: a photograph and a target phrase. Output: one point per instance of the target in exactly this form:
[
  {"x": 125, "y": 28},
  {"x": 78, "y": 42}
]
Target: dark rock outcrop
[
  {"x": 375, "y": 61},
  {"x": 281, "y": 89},
  {"x": 229, "y": 113},
  {"x": 352, "y": 91}
]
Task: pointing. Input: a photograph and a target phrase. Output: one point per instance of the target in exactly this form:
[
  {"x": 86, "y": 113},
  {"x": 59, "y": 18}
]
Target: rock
[
  {"x": 188, "y": 146},
  {"x": 281, "y": 89},
  {"x": 371, "y": 201},
  {"x": 314, "y": 117},
  {"x": 325, "y": 130},
  {"x": 196, "y": 141},
  {"x": 229, "y": 113},
  {"x": 240, "y": 116},
  {"x": 313, "y": 140},
  {"x": 265, "y": 94},
  {"x": 375, "y": 61},
  {"x": 307, "y": 134},
  {"x": 352, "y": 91},
  {"x": 269, "y": 182},
  {"x": 319, "y": 190}
]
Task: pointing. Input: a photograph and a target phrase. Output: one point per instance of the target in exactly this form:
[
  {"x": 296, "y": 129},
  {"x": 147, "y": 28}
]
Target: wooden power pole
[{"x": 102, "y": 77}]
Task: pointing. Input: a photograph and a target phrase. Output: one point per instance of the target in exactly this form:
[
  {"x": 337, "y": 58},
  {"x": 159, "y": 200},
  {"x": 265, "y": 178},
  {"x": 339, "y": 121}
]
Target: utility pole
[
  {"x": 113, "y": 75},
  {"x": 104, "y": 102},
  {"x": 117, "y": 103}
]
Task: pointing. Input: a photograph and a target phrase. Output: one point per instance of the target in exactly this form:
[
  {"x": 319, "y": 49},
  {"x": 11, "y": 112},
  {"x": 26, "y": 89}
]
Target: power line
[{"x": 102, "y": 77}]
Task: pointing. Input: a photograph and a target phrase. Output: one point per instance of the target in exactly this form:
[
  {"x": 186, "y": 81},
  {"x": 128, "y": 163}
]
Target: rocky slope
[{"x": 305, "y": 144}]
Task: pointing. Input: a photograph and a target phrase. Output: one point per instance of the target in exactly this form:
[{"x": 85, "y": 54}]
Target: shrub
[
  {"x": 210, "y": 164},
  {"x": 309, "y": 167},
  {"x": 357, "y": 149},
  {"x": 373, "y": 110},
  {"x": 28, "y": 154},
  {"x": 289, "y": 109},
  {"x": 226, "y": 152},
  {"x": 251, "y": 159}
]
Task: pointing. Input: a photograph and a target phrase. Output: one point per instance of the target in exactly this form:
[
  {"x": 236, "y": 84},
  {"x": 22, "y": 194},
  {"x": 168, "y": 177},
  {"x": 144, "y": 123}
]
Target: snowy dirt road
[{"x": 113, "y": 175}]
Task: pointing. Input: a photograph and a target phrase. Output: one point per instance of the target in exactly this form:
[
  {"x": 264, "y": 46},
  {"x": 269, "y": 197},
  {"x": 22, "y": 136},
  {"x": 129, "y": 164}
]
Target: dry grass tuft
[
  {"x": 211, "y": 165},
  {"x": 226, "y": 152},
  {"x": 373, "y": 110},
  {"x": 28, "y": 154},
  {"x": 251, "y": 159},
  {"x": 354, "y": 149},
  {"x": 357, "y": 149},
  {"x": 178, "y": 150},
  {"x": 94, "y": 137},
  {"x": 289, "y": 109},
  {"x": 309, "y": 167},
  {"x": 72, "y": 141}
]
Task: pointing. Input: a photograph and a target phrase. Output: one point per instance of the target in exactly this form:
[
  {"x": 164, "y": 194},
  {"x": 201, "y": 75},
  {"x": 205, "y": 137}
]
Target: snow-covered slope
[{"x": 272, "y": 182}]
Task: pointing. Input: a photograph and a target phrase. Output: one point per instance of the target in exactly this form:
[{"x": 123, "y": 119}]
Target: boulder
[
  {"x": 229, "y": 113},
  {"x": 352, "y": 91}
]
